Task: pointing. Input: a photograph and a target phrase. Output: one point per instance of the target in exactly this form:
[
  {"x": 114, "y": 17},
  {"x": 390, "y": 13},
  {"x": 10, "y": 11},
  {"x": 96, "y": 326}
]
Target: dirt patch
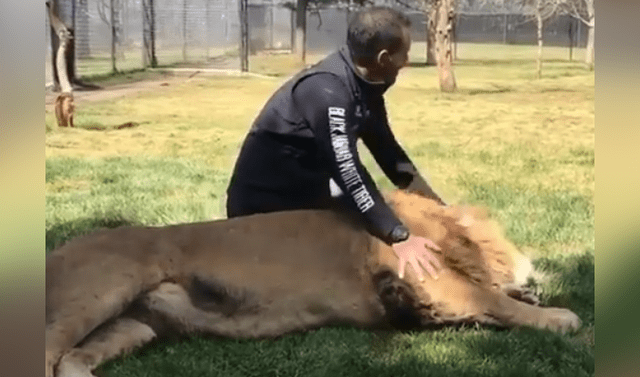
[
  {"x": 167, "y": 78},
  {"x": 116, "y": 91}
]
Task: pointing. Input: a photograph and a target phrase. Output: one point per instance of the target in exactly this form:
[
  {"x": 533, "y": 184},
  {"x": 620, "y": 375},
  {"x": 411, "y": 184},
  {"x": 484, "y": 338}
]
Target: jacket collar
[{"x": 366, "y": 85}]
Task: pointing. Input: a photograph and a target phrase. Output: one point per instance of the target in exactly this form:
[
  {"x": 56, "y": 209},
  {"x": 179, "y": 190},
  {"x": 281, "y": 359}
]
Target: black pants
[
  {"x": 245, "y": 202},
  {"x": 277, "y": 173}
]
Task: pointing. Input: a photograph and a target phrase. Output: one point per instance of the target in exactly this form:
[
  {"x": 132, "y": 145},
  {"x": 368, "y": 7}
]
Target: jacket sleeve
[
  {"x": 391, "y": 158},
  {"x": 326, "y": 106}
]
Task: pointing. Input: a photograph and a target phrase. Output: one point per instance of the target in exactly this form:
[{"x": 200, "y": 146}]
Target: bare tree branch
[{"x": 102, "y": 11}]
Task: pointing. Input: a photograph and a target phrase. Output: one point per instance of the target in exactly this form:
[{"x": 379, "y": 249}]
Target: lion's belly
[
  {"x": 268, "y": 311},
  {"x": 269, "y": 277}
]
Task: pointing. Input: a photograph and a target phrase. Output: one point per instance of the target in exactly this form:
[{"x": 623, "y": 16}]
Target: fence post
[
  {"x": 570, "y": 39},
  {"x": 244, "y": 36},
  {"x": 113, "y": 37},
  {"x": 506, "y": 27},
  {"x": 271, "y": 22},
  {"x": 208, "y": 23},
  {"x": 293, "y": 29},
  {"x": 184, "y": 30},
  {"x": 579, "y": 32}
]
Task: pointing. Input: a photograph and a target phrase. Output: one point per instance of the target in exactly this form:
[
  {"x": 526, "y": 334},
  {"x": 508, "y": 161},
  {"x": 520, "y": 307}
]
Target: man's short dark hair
[{"x": 373, "y": 29}]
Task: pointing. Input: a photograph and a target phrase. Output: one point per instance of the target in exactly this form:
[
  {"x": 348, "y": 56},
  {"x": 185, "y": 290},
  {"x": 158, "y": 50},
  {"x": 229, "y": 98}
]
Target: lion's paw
[
  {"x": 561, "y": 320},
  {"x": 70, "y": 367}
]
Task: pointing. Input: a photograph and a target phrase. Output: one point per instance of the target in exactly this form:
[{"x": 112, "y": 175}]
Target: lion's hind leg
[
  {"x": 83, "y": 293},
  {"x": 120, "y": 336}
]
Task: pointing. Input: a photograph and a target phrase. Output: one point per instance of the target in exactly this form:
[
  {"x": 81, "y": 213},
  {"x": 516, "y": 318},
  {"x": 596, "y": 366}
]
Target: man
[{"x": 307, "y": 133}]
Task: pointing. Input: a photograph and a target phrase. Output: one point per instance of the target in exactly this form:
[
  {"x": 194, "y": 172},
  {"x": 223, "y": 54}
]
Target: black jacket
[{"x": 307, "y": 133}]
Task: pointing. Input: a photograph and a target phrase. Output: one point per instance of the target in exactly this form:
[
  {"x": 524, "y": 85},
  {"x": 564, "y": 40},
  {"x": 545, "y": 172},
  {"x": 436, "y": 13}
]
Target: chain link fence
[{"x": 116, "y": 34}]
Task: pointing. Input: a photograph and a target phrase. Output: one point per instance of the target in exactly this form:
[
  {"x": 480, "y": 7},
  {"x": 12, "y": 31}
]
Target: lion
[
  {"x": 266, "y": 275},
  {"x": 64, "y": 108}
]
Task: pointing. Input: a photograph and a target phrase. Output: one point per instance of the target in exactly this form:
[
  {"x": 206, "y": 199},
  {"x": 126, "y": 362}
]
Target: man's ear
[{"x": 383, "y": 58}]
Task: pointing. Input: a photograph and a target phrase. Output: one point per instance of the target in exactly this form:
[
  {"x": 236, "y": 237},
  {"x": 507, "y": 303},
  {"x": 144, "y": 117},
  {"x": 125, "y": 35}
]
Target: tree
[
  {"x": 149, "y": 33},
  {"x": 441, "y": 17},
  {"x": 445, "y": 19},
  {"x": 539, "y": 11},
  {"x": 300, "y": 37},
  {"x": 584, "y": 11},
  {"x": 299, "y": 31},
  {"x": 110, "y": 13},
  {"x": 298, "y": 27},
  {"x": 62, "y": 49},
  {"x": 543, "y": 11},
  {"x": 431, "y": 15}
]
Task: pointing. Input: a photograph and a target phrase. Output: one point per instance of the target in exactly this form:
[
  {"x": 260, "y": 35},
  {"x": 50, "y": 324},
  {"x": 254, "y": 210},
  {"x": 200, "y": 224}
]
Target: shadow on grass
[
  {"x": 571, "y": 283},
  {"x": 510, "y": 62},
  {"x": 350, "y": 352},
  {"x": 497, "y": 62},
  {"x": 420, "y": 65},
  {"x": 494, "y": 90},
  {"x": 60, "y": 233}
]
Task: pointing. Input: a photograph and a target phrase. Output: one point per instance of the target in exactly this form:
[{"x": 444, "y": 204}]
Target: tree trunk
[
  {"x": 149, "y": 37},
  {"x": 300, "y": 38},
  {"x": 432, "y": 16},
  {"x": 590, "y": 53},
  {"x": 61, "y": 60},
  {"x": 444, "y": 50},
  {"x": 540, "y": 29},
  {"x": 59, "y": 28},
  {"x": 61, "y": 40}
]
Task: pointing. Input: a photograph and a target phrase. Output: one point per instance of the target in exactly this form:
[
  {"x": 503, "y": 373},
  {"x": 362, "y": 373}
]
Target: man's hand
[{"x": 415, "y": 250}]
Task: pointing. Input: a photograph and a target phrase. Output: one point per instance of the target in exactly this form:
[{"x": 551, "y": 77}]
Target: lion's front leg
[
  {"x": 520, "y": 293},
  {"x": 513, "y": 312},
  {"x": 454, "y": 299}
]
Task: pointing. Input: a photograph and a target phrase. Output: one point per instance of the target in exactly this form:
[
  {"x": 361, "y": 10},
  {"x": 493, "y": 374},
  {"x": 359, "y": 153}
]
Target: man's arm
[
  {"x": 393, "y": 160},
  {"x": 325, "y": 104}
]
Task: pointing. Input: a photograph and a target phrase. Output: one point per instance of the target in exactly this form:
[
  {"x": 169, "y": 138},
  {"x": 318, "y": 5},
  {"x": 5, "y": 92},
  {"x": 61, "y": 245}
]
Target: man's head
[{"x": 379, "y": 40}]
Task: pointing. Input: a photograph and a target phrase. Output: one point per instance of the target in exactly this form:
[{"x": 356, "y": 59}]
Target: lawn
[{"x": 522, "y": 147}]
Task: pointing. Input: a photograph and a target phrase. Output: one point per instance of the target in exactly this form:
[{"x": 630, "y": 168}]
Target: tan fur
[
  {"x": 64, "y": 108},
  {"x": 267, "y": 275}
]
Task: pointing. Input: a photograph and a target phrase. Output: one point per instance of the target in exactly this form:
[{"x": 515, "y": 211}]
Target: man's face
[{"x": 391, "y": 64}]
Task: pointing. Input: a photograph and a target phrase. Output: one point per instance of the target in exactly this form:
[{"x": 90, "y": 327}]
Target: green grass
[
  {"x": 98, "y": 67},
  {"x": 83, "y": 194},
  {"x": 349, "y": 352},
  {"x": 523, "y": 148}
]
